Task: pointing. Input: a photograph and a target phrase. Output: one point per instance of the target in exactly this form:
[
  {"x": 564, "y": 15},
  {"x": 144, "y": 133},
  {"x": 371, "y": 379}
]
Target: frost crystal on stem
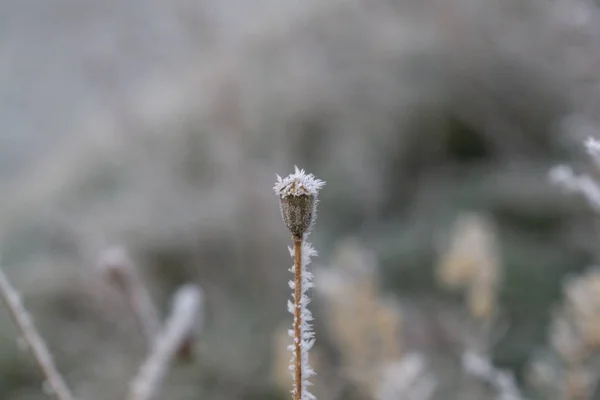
[{"x": 298, "y": 201}]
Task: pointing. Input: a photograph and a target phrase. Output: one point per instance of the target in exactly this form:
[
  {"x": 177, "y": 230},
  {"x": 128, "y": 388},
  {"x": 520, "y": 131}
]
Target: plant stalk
[
  {"x": 298, "y": 316},
  {"x": 36, "y": 345}
]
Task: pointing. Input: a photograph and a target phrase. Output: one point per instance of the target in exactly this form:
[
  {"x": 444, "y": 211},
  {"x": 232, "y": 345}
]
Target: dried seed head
[
  {"x": 297, "y": 213},
  {"x": 298, "y": 200}
]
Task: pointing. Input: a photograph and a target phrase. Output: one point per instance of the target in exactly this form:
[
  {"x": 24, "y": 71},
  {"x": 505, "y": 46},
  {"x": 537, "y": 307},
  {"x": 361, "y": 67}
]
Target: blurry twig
[
  {"x": 35, "y": 343},
  {"x": 407, "y": 379},
  {"x": 120, "y": 270},
  {"x": 187, "y": 307},
  {"x": 482, "y": 368}
]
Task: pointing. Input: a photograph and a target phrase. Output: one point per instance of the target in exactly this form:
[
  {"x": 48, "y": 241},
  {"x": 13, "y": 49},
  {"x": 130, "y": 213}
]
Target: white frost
[
  {"x": 298, "y": 184},
  {"x": 306, "y": 329}
]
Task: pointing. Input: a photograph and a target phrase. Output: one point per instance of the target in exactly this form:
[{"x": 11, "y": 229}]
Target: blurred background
[{"x": 449, "y": 266}]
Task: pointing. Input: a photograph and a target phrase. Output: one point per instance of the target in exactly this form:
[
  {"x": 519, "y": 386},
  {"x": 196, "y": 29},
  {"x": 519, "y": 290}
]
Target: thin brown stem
[
  {"x": 143, "y": 309},
  {"x": 122, "y": 272},
  {"x": 298, "y": 316},
  {"x": 34, "y": 341}
]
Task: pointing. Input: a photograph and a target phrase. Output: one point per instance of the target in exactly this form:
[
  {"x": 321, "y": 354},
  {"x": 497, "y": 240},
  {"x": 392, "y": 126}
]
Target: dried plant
[
  {"x": 503, "y": 382},
  {"x": 298, "y": 201},
  {"x": 116, "y": 264},
  {"x": 165, "y": 343},
  {"x": 471, "y": 262},
  {"x": 366, "y": 329},
  {"x": 583, "y": 184},
  {"x": 54, "y": 383},
  {"x": 573, "y": 365},
  {"x": 329, "y": 386},
  {"x": 187, "y": 305}
]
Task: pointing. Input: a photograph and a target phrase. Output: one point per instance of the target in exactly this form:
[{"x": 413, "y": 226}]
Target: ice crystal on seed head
[
  {"x": 298, "y": 200},
  {"x": 298, "y": 184}
]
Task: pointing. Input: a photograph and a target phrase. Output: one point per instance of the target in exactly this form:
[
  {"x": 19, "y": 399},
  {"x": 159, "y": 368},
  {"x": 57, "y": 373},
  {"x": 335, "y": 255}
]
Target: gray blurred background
[{"x": 159, "y": 125}]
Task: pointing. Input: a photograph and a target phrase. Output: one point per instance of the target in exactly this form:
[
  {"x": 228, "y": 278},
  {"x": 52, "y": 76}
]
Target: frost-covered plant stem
[
  {"x": 302, "y": 333},
  {"x": 298, "y": 201},
  {"x": 298, "y": 293},
  {"x": 54, "y": 381}
]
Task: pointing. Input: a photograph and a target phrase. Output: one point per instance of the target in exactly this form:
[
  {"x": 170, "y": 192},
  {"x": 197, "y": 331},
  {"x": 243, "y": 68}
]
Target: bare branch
[
  {"x": 121, "y": 271},
  {"x": 184, "y": 318},
  {"x": 54, "y": 381}
]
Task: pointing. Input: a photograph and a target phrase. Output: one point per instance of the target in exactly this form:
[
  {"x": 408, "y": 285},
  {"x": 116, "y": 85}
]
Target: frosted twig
[
  {"x": 502, "y": 381},
  {"x": 184, "y": 318},
  {"x": 582, "y": 184},
  {"x": 298, "y": 203},
  {"x": 121, "y": 271},
  {"x": 35, "y": 343},
  {"x": 298, "y": 317},
  {"x": 302, "y": 332}
]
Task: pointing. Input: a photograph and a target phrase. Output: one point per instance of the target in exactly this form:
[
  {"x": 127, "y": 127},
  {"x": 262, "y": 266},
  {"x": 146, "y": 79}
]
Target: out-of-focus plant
[
  {"x": 582, "y": 184},
  {"x": 54, "y": 383},
  {"x": 164, "y": 343},
  {"x": 407, "y": 378},
  {"x": 366, "y": 329},
  {"x": 471, "y": 262},
  {"x": 571, "y": 366}
]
